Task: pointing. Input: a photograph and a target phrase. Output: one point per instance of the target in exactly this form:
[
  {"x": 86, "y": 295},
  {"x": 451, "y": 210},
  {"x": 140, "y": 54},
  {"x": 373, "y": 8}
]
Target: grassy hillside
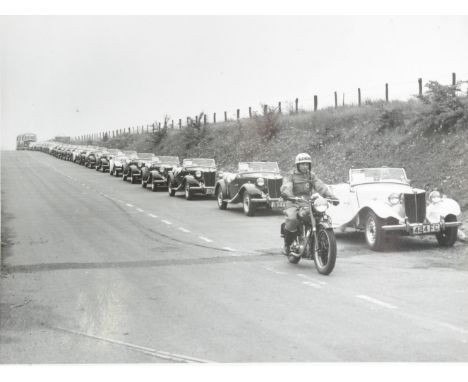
[{"x": 375, "y": 134}]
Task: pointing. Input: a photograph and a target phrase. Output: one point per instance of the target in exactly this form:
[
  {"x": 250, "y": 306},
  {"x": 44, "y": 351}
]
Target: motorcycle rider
[{"x": 302, "y": 183}]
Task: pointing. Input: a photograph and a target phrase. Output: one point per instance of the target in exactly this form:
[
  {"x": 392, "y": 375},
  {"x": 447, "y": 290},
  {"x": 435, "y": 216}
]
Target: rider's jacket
[{"x": 298, "y": 184}]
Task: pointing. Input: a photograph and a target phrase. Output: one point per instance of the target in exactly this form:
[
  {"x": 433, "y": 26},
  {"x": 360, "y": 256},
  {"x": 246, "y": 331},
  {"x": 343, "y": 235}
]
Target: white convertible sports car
[{"x": 382, "y": 203}]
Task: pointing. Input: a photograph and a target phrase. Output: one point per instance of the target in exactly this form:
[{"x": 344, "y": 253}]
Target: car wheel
[
  {"x": 188, "y": 193},
  {"x": 170, "y": 190},
  {"x": 219, "y": 198},
  {"x": 249, "y": 207},
  {"x": 375, "y": 236},
  {"x": 448, "y": 236}
]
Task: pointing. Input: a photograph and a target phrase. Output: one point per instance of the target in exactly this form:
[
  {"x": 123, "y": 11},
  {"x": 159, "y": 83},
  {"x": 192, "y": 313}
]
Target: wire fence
[{"x": 401, "y": 90}]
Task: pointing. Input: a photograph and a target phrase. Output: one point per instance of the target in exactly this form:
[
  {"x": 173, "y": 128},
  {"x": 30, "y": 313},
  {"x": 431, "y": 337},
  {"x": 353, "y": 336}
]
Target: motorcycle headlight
[
  {"x": 394, "y": 199},
  {"x": 435, "y": 197},
  {"x": 198, "y": 174},
  {"x": 261, "y": 182},
  {"x": 321, "y": 204},
  {"x": 161, "y": 169}
]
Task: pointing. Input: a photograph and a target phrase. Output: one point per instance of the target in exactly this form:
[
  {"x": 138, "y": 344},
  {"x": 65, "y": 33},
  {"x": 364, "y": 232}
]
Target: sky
[{"x": 75, "y": 75}]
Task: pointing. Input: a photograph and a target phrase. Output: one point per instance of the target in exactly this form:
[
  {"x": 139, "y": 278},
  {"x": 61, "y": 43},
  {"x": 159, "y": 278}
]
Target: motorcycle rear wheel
[{"x": 325, "y": 257}]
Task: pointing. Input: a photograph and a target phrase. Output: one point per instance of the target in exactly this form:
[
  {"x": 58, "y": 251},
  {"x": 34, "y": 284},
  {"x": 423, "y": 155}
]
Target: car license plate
[
  {"x": 424, "y": 228},
  {"x": 210, "y": 191},
  {"x": 277, "y": 204}
]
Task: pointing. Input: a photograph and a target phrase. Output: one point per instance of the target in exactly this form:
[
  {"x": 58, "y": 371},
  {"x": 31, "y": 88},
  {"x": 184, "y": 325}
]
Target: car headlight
[
  {"x": 198, "y": 174},
  {"x": 261, "y": 182},
  {"x": 435, "y": 197},
  {"x": 321, "y": 204},
  {"x": 394, "y": 199}
]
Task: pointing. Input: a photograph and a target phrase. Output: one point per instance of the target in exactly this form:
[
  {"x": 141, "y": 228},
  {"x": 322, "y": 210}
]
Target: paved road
[{"x": 98, "y": 270}]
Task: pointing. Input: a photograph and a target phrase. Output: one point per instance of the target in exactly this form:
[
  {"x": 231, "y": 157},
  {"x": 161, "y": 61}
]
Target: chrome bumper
[{"x": 410, "y": 227}]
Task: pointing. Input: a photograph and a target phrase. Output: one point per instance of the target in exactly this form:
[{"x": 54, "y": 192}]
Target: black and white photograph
[{"x": 234, "y": 189}]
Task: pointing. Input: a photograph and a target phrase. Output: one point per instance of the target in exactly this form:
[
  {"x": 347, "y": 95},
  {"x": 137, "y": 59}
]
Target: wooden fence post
[
  {"x": 454, "y": 79},
  {"x": 214, "y": 117},
  {"x": 172, "y": 124},
  {"x": 336, "y": 100},
  {"x": 359, "y": 96},
  {"x": 238, "y": 114},
  {"x": 196, "y": 119},
  {"x": 225, "y": 116},
  {"x": 129, "y": 130},
  {"x": 315, "y": 102},
  {"x": 204, "y": 119},
  {"x": 159, "y": 125},
  {"x": 279, "y": 107},
  {"x": 343, "y": 99},
  {"x": 180, "y": 123},
  {"x": 386, "y": 92},
  {"x": 265, "y": 109},
  {"x": 297, "y": 105},
  {"x": 250, "y": 112},
  {"x": 420, "y": 86},
  {"x": 187, "y": 121}
]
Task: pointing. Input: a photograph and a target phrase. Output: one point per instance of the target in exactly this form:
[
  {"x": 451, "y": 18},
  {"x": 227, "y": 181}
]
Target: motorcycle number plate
[{"x": 422, "y": 229}]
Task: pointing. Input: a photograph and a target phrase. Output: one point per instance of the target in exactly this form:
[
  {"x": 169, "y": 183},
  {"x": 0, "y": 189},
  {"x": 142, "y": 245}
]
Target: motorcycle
[{"x": 315, "y": 237}]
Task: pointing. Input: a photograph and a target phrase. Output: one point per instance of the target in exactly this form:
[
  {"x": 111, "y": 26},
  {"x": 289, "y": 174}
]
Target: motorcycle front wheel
[{"x": 325, "y": 257}]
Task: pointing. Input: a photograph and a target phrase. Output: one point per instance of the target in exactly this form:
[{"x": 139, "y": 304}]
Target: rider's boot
[{"x": 288, "y": 240}]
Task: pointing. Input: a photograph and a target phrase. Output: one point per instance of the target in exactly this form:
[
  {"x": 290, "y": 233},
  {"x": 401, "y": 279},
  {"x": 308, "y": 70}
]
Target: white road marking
[
  {"x": 274, "y": 271},
  {"x": 153, "y": 216},
  {"x": 309, "y": 283},
  {"x": 205, "y": 239},
  {"x": 454, "y": 328},
  {"x": 375, "y": 301},
  {"x": 142, "y": 349},
  {"x": 166, "y": 222},
  {"x": 184, "y": 229},
  {"x": 129, "y": 205},
  {"x": 140, "y": 210}
]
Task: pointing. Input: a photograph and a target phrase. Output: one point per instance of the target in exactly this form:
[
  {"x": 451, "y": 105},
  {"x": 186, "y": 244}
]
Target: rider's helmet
[{"x": 303, "y": 158}]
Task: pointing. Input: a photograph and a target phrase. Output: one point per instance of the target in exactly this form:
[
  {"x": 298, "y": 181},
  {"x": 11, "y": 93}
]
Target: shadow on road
[{"x": 46, "y": 267}]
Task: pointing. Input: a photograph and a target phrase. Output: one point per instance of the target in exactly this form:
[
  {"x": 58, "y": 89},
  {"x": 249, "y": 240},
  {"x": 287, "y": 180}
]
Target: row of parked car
[
  {"x": 379, "y": 201},
  {"x": 255, "y": 184}
]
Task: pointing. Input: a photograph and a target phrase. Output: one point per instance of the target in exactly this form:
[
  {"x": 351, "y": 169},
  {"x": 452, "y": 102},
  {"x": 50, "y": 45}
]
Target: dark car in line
[
  {"x": 155, "y": 171},
  {"x": 196, "y": 176},
  {"x": 255, "y": 184}
]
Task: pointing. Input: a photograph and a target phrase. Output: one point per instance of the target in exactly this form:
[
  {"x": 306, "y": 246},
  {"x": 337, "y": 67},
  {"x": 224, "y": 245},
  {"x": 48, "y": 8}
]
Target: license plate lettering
[{"x": 425, "y": 228}]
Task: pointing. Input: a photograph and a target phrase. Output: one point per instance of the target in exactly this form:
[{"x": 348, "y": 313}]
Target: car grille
[
  {"x": 274, "y": 186},
  {"x": 415, "y": 207},
  {"x": 209, "y": 178}
]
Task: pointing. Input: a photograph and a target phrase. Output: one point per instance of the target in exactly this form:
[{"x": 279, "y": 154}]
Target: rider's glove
[{"x": 335, "y": 202}]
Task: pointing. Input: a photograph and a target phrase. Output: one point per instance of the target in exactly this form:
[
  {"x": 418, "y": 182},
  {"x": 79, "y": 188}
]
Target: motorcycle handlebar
[{"x": 302, "y": 199}]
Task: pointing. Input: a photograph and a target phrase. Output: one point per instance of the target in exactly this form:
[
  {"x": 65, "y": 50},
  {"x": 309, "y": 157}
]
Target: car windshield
[
  {"x": 168, "y": 160},
  {"x": 258, "y": 167},
  {"x": 198, "y": 162},
  {"x": 378, "y": 175}
]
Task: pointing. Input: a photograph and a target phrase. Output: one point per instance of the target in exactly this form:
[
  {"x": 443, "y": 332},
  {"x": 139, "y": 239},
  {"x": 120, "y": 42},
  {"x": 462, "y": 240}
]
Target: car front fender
[
  {"x": 134, "y": 169},
  {"x": 445, "y": 207},
  {"x": 384, "y": 211},
  {"x": 221, "y": 184},
  {"x": 189, "y": 179}
]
